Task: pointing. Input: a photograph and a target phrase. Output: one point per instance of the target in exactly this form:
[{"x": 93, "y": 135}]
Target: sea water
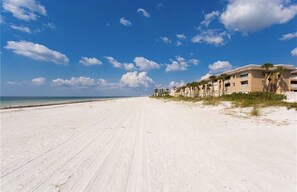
[{"x": 7, "y": 102}]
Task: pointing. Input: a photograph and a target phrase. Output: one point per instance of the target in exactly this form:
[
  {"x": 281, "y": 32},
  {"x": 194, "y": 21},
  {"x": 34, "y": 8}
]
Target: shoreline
[{"x": 52, "y": 104}]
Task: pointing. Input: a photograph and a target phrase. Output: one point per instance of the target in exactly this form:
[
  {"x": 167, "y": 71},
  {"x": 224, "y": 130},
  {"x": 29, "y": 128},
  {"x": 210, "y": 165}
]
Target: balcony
[
  {"x": 293, "y": 86},
  {"x": 244, "y": 76},
  {"x": 293, "y": 77}
]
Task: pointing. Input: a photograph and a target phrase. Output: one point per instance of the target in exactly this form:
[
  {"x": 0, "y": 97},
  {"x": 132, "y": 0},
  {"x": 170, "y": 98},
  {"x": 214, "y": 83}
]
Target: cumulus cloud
[
  {"x": 144, "y": 12},
  {"x": 128, "y": 66},
  {"x": 135, "y": 79},
  {"x": 288, "y": 36},
  {"x": 145, "y": 64},
  {"x": 294, "y": 52},
  {"x": 125, "y": 22},
  {"x": 38, "y": 81},
  {"x": 219, "y": 66},
  {"x": 114, "y": 62},
  {"x": 89, "y": 61},
  {"x": 26, "y": 10},
  {"x": 37, "y": 52},
  {"x": 81, "y": 81},
  {"x": 165, "y": 40},
  {"x": 180, "y": 64},
  {"x": 21, "y": 28},
  {"x": 181, "y": 36},
  {"x": 117, "y": 64},
  {"x": 205, "y": 76},
  {"x": 254, "y": 15},
  {"x": 209, "y": 17},
  {"x": 211, "y": 37},
  {"x": 176, "y": 84}
]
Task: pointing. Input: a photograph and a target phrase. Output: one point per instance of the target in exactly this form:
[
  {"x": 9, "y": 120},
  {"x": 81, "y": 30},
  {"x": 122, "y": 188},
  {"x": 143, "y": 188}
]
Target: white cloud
[
  {"x": 116, "y": 64},
  {"x": 165, "y": 40},
  {"x": 144, "y": 12},
  {"x": 254, "y": 15},
  {"x": 134, "y": 79},
  {"x": 37, "y": 52},
  {"x": 125, "y": 22},
  {"x": 181, "y": 36},
  {"x": 128, "y": 66},
  {"x": 145, "y": 64},
  {"x": 205, "y": 76},
  {"x": 180, "y": 64},
  {"x": 294, "y": 52},
  {"x": 288, "y": 36},
  {"x": 21, "y": 28},
  {"x": 178, "y": 43},
  {"x": 219, "y": 66},
  {"x": 89, "y": 61},
  {"x": 39, "y": 80},
  {"x": 24, "y": 9},
  {"x": 209, "y": 17},
  {"x": 211, "y": 37},
  {"x": 75, "y": 82},
  {"x": 176, "y": 84}
]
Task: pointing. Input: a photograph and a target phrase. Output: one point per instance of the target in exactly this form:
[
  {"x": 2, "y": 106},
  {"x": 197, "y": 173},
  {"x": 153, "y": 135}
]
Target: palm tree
[
  {"x": 267, "y": 74},
  {"x": 203, "y": 82},
  {"x": 279, "y": 70},
  {"x": 212, "y": 79},
  {"x": 222, "y": 78}
]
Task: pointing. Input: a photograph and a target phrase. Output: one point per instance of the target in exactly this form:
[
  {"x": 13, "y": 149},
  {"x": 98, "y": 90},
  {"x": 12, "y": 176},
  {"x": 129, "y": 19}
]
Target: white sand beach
[{"x": 144, "y": 144}]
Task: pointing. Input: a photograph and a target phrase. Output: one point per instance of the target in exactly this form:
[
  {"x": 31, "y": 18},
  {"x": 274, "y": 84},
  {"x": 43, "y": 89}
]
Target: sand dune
[{"x": 143, "y": 144}]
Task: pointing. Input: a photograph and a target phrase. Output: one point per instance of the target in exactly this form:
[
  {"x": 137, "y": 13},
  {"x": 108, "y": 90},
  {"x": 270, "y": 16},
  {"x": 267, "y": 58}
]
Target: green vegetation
[
  {"x": 253, "y": 99},
  {"x": 255, "y": 111}
]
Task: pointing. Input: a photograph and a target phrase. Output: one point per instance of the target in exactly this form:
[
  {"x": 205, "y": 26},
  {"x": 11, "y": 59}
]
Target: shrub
[{"x": 255, "y": 111}]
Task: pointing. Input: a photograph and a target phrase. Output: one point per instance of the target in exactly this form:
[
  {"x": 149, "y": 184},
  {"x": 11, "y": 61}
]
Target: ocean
[{"x": 8, "y": 102}]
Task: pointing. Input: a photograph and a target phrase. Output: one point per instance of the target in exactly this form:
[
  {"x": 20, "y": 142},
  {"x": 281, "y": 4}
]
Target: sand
[{"x": 149, "y": 145}]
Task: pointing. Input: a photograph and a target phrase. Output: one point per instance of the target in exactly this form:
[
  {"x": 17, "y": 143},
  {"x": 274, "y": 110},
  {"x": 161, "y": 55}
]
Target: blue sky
[{"x": 128, "y": 47}]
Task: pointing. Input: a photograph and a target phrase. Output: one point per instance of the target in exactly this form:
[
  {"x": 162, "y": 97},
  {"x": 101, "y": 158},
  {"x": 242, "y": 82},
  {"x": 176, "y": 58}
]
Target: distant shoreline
[
  {"x": 57, "y": 103},
  {"x": 48, "y": 104}
]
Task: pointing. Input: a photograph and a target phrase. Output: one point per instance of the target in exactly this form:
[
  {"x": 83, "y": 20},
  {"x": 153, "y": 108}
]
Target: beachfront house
[{"x": 250, "y": 78}]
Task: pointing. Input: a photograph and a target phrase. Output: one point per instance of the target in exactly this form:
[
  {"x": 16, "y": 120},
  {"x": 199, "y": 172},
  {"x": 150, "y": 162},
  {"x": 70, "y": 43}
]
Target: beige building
[
  {"x": 250, "y": 78},
  {"x": 293, "y": 81}
]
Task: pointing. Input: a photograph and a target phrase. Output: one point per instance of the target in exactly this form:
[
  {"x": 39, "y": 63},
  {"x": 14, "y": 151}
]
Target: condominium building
[
  {"x": 293, "y": 81},
  {"x": 250, "y": 78}
]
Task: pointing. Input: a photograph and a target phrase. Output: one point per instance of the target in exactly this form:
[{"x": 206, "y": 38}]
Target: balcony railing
[
  {"x": 293, "y": 85},
  {"x": 294, "y": 77}
]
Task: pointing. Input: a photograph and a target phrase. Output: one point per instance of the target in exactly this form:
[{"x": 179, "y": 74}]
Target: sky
[{"x": 129, "y": 47}]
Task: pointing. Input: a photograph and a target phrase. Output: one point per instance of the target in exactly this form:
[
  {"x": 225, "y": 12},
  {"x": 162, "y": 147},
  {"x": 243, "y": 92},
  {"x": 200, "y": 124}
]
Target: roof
[{"x": 255, "y": 67}]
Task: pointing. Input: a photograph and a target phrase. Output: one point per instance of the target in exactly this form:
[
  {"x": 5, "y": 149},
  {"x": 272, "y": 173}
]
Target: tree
[
  {"x": 222, "y": 77},
  {"x": 279, "y": 71},
  {"x": 203, "y": 82},
  {"x": 267, "y": 72},
  {"x": 212, "y": 78}
]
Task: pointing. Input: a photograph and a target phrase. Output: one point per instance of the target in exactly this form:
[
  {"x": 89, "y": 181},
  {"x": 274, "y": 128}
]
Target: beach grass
[{"x": 259, "y": 99}]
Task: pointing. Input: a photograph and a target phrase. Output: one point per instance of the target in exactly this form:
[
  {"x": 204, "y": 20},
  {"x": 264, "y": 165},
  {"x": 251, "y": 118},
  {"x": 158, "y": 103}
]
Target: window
[
  {"x": 233, "y": 84},
  {"x": 244, "y": 75},
  {"x": 244, "y": 82}
]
